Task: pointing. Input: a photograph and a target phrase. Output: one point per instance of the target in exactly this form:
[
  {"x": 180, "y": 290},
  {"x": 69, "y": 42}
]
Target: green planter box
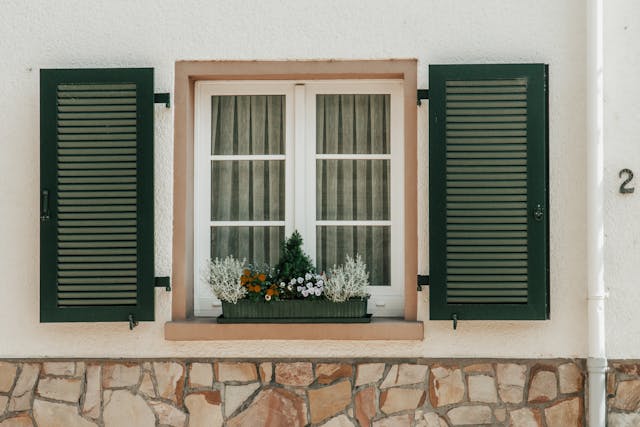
[{"x": 295, "y": 311}]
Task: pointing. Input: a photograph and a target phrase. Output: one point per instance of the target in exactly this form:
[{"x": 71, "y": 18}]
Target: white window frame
[{"x": 300, "y": 161}]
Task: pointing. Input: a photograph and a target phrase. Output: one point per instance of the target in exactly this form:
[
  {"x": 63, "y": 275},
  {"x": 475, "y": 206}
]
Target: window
[{"x": 321, "y": 157}]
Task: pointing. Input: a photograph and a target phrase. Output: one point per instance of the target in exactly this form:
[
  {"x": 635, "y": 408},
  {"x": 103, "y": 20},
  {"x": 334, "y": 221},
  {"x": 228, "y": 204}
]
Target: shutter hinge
[
  {"x": 132, "y": 322},
  {"x": 422, "y": 94},
  {"x": 423, "y": 280},
  {"x": 163, "y": 282},
  {"x": 162, "y": 98}
]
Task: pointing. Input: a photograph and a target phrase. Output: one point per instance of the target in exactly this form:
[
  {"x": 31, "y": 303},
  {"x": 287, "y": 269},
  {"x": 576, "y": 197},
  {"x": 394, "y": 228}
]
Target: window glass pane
[
  {"x": 352, "y": 189},
  {"x": 258, "y": 245},
  {"x": 348, "y": 124},
  {"x": 247, "y": 190},
  {"x": 247, "y": 124},
  {"x": 371, "y": 242}
]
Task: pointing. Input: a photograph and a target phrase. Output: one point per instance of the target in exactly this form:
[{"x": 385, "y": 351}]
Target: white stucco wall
[
  {"x": 67, "y": 33},
  {"x": 622, "y": 150}
]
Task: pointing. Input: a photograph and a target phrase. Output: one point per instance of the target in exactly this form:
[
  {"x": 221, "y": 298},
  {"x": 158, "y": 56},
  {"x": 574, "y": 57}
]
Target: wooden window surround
[{"x": 183, "y": 325}]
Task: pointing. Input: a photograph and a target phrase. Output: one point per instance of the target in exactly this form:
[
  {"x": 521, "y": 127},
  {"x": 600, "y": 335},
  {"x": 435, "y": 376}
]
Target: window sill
[{"x": 378, "y": 329}]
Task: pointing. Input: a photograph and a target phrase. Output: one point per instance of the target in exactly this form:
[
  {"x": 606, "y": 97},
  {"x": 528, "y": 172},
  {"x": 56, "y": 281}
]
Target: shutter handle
[
  {"x": 44, "y": 205},
  {"x": 538, "y": 212}
]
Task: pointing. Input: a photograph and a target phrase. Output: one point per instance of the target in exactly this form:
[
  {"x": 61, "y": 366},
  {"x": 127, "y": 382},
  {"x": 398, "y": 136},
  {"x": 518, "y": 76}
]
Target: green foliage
[{"x": 293, "y": 261}]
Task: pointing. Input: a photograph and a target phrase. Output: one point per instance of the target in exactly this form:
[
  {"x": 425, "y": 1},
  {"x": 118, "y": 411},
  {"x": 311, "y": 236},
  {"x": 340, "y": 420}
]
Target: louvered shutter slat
[
  {"x": 97, "y": 133},
  {"x": 486, "y": 125}
]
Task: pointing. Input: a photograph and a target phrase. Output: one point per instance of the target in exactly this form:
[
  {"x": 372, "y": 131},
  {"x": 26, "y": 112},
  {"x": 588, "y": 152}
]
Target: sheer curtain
[
  {"x": 353, "y": 186},
  {"x": 246, "y": 186}
]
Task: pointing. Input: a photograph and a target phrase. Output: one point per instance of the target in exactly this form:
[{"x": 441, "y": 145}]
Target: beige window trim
[{"x": 183, "y": 326}]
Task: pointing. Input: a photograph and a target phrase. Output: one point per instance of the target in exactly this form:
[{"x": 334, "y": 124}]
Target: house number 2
[{"x": 623, "y": 187}]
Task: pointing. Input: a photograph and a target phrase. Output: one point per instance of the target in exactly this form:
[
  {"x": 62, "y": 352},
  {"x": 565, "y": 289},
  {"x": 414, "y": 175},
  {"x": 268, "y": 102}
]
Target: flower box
[{"x": 295, "y": 311}]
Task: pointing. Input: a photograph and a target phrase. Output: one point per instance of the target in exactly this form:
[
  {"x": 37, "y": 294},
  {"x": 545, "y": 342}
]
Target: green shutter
[
  {"x": 96, "y": 163},
  {"x": 488, "y": 175}
]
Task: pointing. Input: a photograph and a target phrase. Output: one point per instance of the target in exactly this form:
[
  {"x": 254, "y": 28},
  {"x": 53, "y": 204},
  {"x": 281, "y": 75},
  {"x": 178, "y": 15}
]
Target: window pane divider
[
  {"x": 246, "y": 223},
  {"x": 219, "y": 157},
  {"x": 353, "y": 156},
  {"x": 353, "y": 223}
]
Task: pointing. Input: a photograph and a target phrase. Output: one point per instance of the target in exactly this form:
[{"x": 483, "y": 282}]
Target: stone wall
[
  {"x": 623, "y": 392},
  {"x": 426, "y": 393}
]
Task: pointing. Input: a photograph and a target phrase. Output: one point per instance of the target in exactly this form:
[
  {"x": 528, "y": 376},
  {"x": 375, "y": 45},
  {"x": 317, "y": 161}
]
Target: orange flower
[
  {"x": 262, "y": 277},
  {"x": 270, "y": 292},
  {"x": 246, "y": 272}
]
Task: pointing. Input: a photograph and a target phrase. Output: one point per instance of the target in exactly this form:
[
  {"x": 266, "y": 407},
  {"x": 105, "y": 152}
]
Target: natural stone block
[
  {"x": 146, "y": 385},
  {"x": 525, "y": 417},
  {"x": 395, "y": 421},
  {"x": 200, "y": 375},
  {"x": 281, "y": 407},
  {"x": 405, "y": 374},
  {"x": 511, "y": 379},
  {"x": 7, "y": 376},
  {"x": 399, "y": 399},
  {"x": 3, "y": 404},
  {"x": 543, "y": 387},
  {"x": 482, "y": 388},
  {"x": 66, "y": 389},
  {"x": 294, "y": 374},
  {"x": 432, "y": 419},
  {"x": 571, "y": 378},
  {"x": 339, "y": 421},
  {"x": 170, "y": 380},
  {"x": 617, "y": 420},
  {"x": 470, "y": 415},
  {"x": 59, "y": 368},
  {"x": 327, "y": 401},
  {"x": 120, "y": 375},
  {"x": 367, "y": 373},
  {"x": 446, "y": 386},
  {"x": 122, "y": 408},
  {"x": 566, "y": 413},
  {"x": 611, "y": 383},
  {"x": 330, "y": 372},
  {"x": 168, "y": 415},
  {"x": 234, "y": 371},
  {"x": 20, "y": 420},
  {"x": 500, "y": 414},
  {"x": 80, "y": 369},
  {"x": 365, "y": 405},
  {"x": 627, "y": 396},
  {"x": 266, "y": 372},
  {"x": 49, "y": 414},
  {"x": 204, "y": 409},
  {"x": 23, "y": 390},
  {"x": 236, "y": 395},
  {"x": 631, "y": 369},
  {"x": 479, "y": 368},
  {"x": 91, "y": 406}
]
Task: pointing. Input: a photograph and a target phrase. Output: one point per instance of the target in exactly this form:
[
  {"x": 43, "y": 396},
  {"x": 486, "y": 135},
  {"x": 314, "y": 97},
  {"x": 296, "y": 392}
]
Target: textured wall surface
[
  {"x": 68, "y": 33},
  {"x": 328, "y": 393},
  {"x": 622, "y": 150}
]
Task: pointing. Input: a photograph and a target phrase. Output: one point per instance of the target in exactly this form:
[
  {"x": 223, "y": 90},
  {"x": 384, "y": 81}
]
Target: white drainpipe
[{"x": 597, "y": 358}]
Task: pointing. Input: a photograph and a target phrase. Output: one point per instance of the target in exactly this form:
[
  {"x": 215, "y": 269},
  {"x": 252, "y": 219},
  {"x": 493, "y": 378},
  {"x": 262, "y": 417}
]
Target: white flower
[
  {"x": 320, "y": 282},
  {"x": 290, "y": 287},
  {"x": 282, "y": 284},
  {"x": 305, "y": 293},
  {"x": 299, "y": 288},
  {"x": 267, "y": 297},
  {"x": 318, "y": 292},
  {"x": 309, "y": 285},
  {"x": 293, "y": 281},
  {"x": 300, "y": 280},
  {"x": 308, "y": 276}
]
